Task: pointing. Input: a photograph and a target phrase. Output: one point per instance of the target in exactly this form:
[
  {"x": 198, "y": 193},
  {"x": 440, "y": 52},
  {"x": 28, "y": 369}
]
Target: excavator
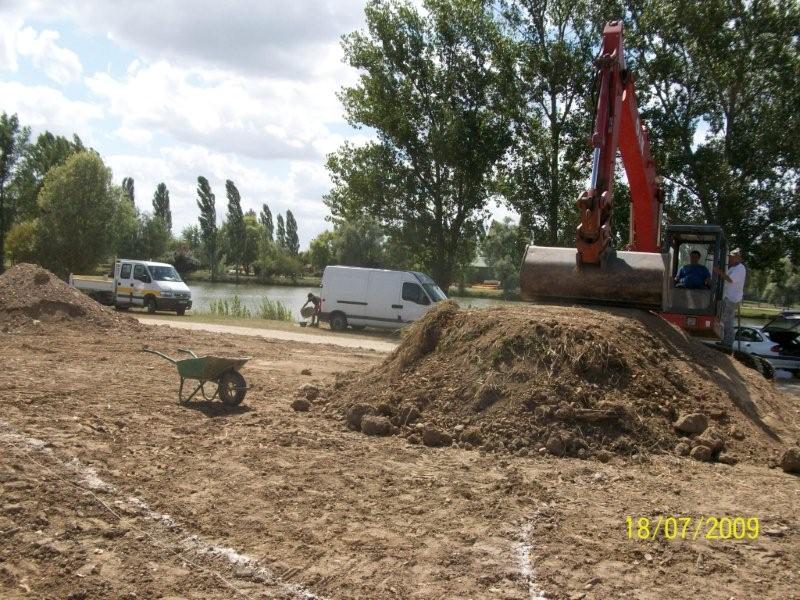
[{"x": 644, "y": 275}]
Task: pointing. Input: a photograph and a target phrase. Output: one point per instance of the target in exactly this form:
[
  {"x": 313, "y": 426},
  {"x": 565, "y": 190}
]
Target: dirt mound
[
  {"x": 29, "y": 292},
  {"x": 568, "y": 381}
]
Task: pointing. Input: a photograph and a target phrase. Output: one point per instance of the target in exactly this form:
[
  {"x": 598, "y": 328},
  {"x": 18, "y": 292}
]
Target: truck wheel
[
  {"x": 180, "y": 311},
  {"x": 122, "y": 307},
  {"x": 358, "y": 327},
  {"x": 150, "y": 304},
  {"x": 338, "y": 321},
  {"x": 232, "y": 388}
]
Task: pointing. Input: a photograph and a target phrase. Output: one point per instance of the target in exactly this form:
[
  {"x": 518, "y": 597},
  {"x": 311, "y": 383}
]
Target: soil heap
[
  {"x": 568, "y": 381},
  {"x": 29, "y": 292}
]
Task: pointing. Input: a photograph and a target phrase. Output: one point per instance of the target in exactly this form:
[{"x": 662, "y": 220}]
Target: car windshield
[
  {"x": 165, "y": 274},
  {"x": 436, "y": 294}
]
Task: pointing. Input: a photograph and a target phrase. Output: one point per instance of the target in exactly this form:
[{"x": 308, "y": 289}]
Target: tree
[
  {"x": 77, "y": 208},
  {"x": 280, "y": 234},
  {"x": 127, "y": 187},
  {"x": 292, "y": 240},
  {"x": 254, "y": 232},
  {"x": 502, "y": 248},
  {"x": 47, "y": 152},
  {"x": 718, "y": 82},
  {"x": 554, "y": 43},
  {"x": 321, "y": 251},
  {"x": 191, "y": 235},
  {"x": 161, "y": 208},
  {"x": 358, "y": 243},
  {"x": 206, "y": 202},
  {"x": 236, "y": 228},
  {"x": 12, "y": 143},
  {"x": 266, "y": 220},
  {"x": 20, "y": 244},
  {"x": 154, "y": 237},
  {"x": 433, "y": 88}
]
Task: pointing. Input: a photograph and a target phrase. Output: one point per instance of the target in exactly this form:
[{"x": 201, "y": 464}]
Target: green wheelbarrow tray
[{"x": 224, "y": 372}]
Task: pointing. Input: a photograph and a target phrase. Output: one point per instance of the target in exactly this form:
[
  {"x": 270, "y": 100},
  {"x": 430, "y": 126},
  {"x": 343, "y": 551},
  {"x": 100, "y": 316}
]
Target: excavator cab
[{"x": 693, "y": 304}]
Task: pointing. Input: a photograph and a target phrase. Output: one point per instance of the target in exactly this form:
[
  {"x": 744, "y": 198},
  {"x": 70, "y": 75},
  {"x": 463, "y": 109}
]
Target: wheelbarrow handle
[
  {"x": 172, "y": 360},
  {"x": 187, "y": 352}
]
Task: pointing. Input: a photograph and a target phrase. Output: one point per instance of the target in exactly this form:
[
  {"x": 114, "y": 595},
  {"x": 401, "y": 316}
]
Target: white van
[
  {"x": 152, "y": 285},
  {"x": 361, "y": 297}
]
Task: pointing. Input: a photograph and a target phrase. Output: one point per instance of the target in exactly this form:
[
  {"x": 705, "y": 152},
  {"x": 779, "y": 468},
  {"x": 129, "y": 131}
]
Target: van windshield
[
  {"x": 165, "y": 274},
  {"x": 436, "y": 294}
]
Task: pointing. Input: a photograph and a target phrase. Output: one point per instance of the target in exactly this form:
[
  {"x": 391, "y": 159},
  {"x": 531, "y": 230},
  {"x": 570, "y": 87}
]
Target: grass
[{"x": 268, "y": 310}]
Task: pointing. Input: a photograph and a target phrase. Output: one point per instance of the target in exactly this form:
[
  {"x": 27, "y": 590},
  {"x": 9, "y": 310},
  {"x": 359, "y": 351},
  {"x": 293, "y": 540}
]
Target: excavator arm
[{"x": 617, "y": 127}]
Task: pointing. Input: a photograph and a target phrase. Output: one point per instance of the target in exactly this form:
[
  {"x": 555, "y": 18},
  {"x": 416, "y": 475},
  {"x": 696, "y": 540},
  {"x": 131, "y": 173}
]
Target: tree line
[
  {"x": 474, "y": 101},
  {"x": 60, "y": 208}
]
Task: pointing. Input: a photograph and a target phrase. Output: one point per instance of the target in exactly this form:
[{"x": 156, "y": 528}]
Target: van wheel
[
  {"x": 358, "y": 327},
  {"x": 180, "y": 311},
  {"x": 150, "y": 304},
  {"x": 121, "y": 307},
  {"x": 338, "y": 322}
]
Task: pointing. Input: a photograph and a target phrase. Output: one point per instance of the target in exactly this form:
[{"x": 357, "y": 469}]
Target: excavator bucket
[{"x": 633, "y": 279}]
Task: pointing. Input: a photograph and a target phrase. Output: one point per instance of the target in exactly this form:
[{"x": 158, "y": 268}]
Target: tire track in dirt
[{"x": 86, "y": 478}]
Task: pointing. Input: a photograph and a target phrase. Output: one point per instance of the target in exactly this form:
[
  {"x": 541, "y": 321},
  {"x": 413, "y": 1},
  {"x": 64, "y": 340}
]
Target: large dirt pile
[
  {"x": 568, "y": 381},
  {"x": 29, "y": 292}
]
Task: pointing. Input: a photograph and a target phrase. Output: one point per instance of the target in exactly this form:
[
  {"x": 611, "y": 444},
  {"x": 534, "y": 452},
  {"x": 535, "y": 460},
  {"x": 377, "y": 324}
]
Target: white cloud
[
  {"x": 44, "y": 107},
  {"x": 300, "y": 189},
  {"x": 59, "y": 64},
  {"x": 256, "y": 117}
]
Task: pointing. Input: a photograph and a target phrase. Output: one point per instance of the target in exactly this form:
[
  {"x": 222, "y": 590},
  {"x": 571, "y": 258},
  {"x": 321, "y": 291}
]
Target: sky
[{"x": 168, "y": 90}]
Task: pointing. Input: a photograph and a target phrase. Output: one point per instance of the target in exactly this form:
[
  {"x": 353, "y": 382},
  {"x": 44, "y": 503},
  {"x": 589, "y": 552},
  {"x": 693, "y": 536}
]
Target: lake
[{"x": 252, "y": 294}]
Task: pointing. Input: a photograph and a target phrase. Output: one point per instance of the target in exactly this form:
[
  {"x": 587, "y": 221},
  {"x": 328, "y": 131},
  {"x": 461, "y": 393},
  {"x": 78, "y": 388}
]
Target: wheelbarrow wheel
[{"x": 232, "y": 388}]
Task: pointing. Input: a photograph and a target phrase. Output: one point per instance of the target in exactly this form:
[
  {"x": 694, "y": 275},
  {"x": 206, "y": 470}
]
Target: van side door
[{"x": 124, "y": 284}]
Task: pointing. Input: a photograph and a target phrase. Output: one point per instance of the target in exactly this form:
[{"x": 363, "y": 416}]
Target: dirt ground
[{"x": 111, "y": 489}]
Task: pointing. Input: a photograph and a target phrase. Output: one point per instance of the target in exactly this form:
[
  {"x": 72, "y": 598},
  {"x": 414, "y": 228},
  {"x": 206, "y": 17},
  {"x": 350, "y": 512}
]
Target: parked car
[
  {"x": 359, "y": 297},
  {"x": 151, "y": 285},
  {"x": 777, "y": 342}
]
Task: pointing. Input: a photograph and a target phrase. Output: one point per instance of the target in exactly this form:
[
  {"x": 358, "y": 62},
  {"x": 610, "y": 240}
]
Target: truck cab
[{"x": 138, "y": 283}]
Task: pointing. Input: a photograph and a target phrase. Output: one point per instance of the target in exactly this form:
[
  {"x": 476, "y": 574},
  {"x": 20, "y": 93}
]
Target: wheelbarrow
[{"x": 224, "y": 372}]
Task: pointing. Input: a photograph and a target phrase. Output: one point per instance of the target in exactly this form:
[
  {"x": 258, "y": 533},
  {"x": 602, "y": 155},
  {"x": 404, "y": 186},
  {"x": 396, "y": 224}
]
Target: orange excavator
[{"x": 646, "y": 274}]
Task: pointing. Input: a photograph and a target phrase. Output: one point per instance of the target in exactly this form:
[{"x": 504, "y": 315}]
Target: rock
[
  {"x": 487, "y": 395},
  {"x": 701, "y": 453},
  {"x": 355, "y": 413},
  {"x": 472, "y": 435},
  {"x": 565, "y": 412},
  {"x": 727, "y": 459},
  {"x": 414, "y": 439},
  {"x": 386, "y": 409},
  {"x": 555, "y": 445},
  {"x": 435, "y": 438},
  {"x": 691, "y": 423},
  {"x": 790, "y": 460},
  {"x": 375, "y": 425},
  {"x": 305, "y": 372},
  {"x": 407, "y": 414},
  {"x": 682, "y": 449},
  {"x": 308, "y": 391},
  {"x": 458, "y": 428},
  {"x": 301, "y": 405},
  {"x": 736, "y": 433},
  {"x": 712, "y": 438},
  {"x": 603, "y": 456}
]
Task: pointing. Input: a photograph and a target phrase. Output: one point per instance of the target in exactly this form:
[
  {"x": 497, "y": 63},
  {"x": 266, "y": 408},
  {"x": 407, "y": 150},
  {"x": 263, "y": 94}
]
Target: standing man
[{"x": 732, "y": 293}]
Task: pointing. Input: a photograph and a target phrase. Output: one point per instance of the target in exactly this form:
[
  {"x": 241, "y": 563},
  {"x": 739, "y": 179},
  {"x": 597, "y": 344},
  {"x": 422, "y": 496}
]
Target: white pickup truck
[{"x": 151, "y": 285}]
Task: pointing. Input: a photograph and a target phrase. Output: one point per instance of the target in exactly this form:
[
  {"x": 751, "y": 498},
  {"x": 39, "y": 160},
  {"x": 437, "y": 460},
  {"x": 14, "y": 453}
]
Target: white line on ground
[
  {"x": 89, "y": 479},
  {"x": 524, "y": 549}
]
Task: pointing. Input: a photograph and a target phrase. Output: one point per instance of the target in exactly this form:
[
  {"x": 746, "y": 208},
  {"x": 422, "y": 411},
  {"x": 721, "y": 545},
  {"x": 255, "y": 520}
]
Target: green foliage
[
  {"x": 280, "y": 234},
  {"x": 358, "y": 243},
  {"x": 161, "y": 208},
  {"x": 274, "y": 310},
  {"x": 21, "y": 240},
  {"x": 432, "y": 86},
  {"x": 234, "y": 309},
  {"x": 38, "y": 158},
  {"x": 128, "y": 188},
  {"x": 191, "y": 236},
  {"x": 182, "y": 258},
  {"x": 13, "y": 141},
  {"x": 206, "y": 202},
  {"x": 783, "y": 288},
  {"x": 502, "y": 249},
  {"x": 321, "y": 251},
  {"x": 292, "y": 239},
  {"x": 253, "y": 234},
  {"x": 266, "y": 220},
  {"x": 77, "y": 209},
  {"x": 236, "y": 230}
]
